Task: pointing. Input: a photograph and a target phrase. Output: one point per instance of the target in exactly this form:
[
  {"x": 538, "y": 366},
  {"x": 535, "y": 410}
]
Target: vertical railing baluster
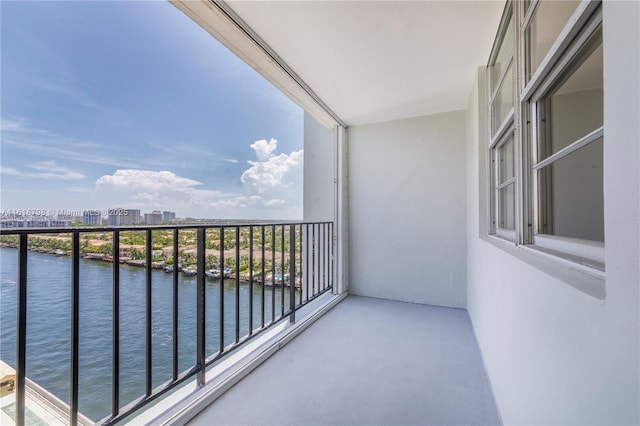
[
  {"x": 333, "y": 256},
  {"x": 250, "y": 280},
  {"x": 324, "y": 253},
  {"x": 292, "y": 275},
  {"x": 301, "y": 269},
  {"x": 320, "y": 257},
  {"x": 175, "y": 303},
  {"x": 21, "y": 331},
  {"x": 237, "y": 284},
  {"x": 221, "y": 290},
  {"x": 282, "y": 271},
  {"x": 329, "y": 255},
  {"x": 327, "y": 246},
  {"x": 115, "y": 328},
  {"x": 313, "y": 259},
  {"x": 263, "y": 276},
  {"x": 273, "y": 273},
  {"x": 306, "y": 260},
  {"x": 149, "y": 322},
  {"x": 75, "y": 326},
  {"x": 200, "y": 305}
]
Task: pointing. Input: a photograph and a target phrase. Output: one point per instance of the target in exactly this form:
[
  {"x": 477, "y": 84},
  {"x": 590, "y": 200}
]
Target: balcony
[{"x": 399, "y": 161}]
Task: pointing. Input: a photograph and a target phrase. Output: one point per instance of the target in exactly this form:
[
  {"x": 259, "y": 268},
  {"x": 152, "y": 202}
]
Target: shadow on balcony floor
[{"x": 367, "y": 361}]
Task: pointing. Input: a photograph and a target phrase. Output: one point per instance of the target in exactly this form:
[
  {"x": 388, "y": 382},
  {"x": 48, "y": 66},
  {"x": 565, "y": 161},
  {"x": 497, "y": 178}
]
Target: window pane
[
  {"x": 506, "y": 207},
  {"x": 503, "y": 102},
  {"x": 505, "y": 161},
  {"x": 576, "y": 107},
  {"x": 504, "y": 54},
  {"x": 548, "y": 21},
  {"x": 572, "y": 193}
]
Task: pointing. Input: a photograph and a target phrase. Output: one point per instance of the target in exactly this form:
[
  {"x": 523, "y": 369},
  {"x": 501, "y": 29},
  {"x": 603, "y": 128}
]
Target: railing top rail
[{"x": 87, "y": 229}]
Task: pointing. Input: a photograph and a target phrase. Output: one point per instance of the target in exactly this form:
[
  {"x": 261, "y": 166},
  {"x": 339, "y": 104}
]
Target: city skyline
[{"x": 140, "y": 118}]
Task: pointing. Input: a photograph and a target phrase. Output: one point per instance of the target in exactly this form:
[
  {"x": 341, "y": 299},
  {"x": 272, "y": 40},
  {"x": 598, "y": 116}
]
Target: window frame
[
  {"x": 529, "y": 96},
  {"x": 503, "y": 131},
  {"x": 507, "y": 135}
]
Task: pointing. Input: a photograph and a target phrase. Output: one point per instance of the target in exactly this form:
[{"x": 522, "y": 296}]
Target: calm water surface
[{"x": 49, "y": 325}]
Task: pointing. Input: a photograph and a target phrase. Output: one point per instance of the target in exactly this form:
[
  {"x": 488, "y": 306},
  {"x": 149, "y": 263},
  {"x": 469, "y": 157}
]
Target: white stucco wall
[
  {"x": 318, "y": 171},
  {"x": 407, "y": 210},
  {"x": 556, "y": 355}
]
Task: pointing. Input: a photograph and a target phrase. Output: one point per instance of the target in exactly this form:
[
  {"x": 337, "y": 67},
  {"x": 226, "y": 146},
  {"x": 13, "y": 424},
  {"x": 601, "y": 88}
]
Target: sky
[{"x": 131, "y": 104}]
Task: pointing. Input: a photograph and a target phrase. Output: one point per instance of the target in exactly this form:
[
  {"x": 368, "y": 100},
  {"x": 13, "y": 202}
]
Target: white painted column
[{"x": 341, "y": 216}]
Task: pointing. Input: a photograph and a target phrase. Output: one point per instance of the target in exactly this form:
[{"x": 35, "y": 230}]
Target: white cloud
[
  {"x": 146, "y": 180},
  {"x": 264, "y": 149},
  {"x": 231, "y": 160},
  {"x": 44, "y": 170},
  {"x": 278, "y": 177},
  {"x": 274, "y": 181},
  {"x": 149, "y": 189}
]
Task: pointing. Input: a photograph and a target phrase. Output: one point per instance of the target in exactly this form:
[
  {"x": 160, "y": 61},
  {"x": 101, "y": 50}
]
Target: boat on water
[
  {"x": 227, "y": 272},
  {"x": 213, "y": 273},
  {"x": 169, "y": 268},
  {"x": 189, "y": 271}
]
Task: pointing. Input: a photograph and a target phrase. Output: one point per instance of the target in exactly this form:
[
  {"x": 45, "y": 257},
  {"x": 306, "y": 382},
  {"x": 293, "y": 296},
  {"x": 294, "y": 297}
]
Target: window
[
  {"x": 502, "y": 101},
  {"x": 547, "y": 130},
  {"x": 505, "y": 185}
]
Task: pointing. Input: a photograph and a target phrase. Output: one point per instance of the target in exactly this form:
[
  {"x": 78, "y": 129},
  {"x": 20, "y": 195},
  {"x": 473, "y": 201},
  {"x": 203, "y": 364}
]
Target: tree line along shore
[{"x": 99, "y": 246}]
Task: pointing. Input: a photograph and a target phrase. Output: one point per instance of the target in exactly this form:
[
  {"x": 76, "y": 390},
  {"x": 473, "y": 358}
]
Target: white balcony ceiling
[{"x": 376, "y": 61}]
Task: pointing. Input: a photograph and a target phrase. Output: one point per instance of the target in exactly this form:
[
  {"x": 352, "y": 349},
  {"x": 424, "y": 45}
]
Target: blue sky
[{"x": 131, "y": 104}]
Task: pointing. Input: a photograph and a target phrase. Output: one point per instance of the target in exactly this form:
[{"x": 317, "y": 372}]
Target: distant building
[
  {"x": 153, "y": 218},
  {"x": 168, "y": 216},
  {"x": 36, "y": 223},
  {"x": 12, "y": 223},
  {"x": 91, "y": 217},
  {"x": 119, "y": 216},
  {"x": 60, "y": 223},
  {"x": 133, "y": 217},
  {"x": 39, "y": 222}
]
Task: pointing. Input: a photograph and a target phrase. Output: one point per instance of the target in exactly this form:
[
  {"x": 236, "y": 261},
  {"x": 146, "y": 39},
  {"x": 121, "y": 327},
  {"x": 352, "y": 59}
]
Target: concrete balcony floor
[{"x": 367, "y": 362}]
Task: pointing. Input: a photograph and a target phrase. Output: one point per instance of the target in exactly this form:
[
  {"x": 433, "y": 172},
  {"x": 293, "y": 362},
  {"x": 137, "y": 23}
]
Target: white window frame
[
  {"x": 506, "y": 128},
  {"x": 507, "y": 133},
  {"x": 581, "y": 254}
]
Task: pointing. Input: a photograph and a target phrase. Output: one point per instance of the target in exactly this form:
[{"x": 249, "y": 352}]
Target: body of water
[{"x": 49, "y": 324}]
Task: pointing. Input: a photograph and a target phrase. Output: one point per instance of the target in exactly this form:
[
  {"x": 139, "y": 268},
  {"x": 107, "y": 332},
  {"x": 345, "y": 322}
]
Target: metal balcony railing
[{"x": 305, "y": 271}]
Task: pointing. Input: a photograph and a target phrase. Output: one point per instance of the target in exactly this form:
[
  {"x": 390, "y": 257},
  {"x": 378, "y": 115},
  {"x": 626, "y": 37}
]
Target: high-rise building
[
  {"x": 168, "y": 216},
  {"x": 119, "y": 216},
  {"x": 153, "y": 218},
  {"x": 91, "y": 217}
]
